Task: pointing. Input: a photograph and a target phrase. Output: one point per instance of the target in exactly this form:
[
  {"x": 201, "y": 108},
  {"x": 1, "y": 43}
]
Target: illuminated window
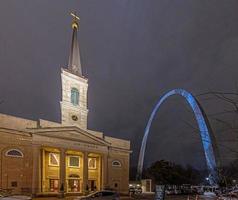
[
  {"x": 74, "y": 161},
  {"x": 54, "y": 159},
  {"x": 14, "y": 153},
  {"x": 116, "y": 163},
  {"x": 75, "y": 96},
  {"x": 92, "y": 163}
]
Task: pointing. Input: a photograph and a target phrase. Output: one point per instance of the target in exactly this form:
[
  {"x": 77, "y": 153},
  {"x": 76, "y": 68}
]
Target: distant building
[{"x": 44, "y": 157}]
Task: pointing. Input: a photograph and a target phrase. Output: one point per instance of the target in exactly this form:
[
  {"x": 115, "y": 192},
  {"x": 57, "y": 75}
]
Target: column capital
[
  {"x": 63, "y": 150},
  {"x": 85, "y": 153},
  {"x": 36, "y": 146}
]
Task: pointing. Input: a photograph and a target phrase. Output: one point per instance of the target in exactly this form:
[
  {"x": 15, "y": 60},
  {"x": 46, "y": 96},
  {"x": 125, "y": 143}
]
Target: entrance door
[
  {"x": 92, "y": 185},
  {"x": 54, "y": 185},
  {"x": 116, "y": 185},
  {"x": 74, "y": 185}
]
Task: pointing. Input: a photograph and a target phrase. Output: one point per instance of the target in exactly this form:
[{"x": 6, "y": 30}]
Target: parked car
[
  {"x": 230, "y": 195},
  {"x": 177, "y": 191},
  {"x": 100, "y": 195},
  {"x": 169, "y": 192},
  {"x": 135, "y": 189}
]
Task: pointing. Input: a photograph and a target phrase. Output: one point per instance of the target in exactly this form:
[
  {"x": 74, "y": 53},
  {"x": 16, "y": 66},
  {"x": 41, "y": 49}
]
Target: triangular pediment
[{"x": 70, "y": 133}]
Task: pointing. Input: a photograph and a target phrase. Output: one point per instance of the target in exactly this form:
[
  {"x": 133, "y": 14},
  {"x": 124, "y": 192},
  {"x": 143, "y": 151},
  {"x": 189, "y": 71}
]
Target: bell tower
[{"x": 74, "y": 111}]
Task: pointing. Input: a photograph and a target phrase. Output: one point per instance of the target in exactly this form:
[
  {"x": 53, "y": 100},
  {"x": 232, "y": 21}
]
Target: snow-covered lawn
[{"x": 17, "y": 197}]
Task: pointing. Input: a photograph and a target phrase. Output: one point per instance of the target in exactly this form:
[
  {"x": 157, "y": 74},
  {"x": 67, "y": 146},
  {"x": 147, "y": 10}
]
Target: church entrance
[
  {"x": 74, "y": 185},
  {"x": 54, "y": 185},
  {"x": 92, "y": 185},
  {"x": 116, "y": 185}
]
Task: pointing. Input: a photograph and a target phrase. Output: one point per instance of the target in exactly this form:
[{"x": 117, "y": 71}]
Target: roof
[
  {"x": 51, "y": 129},
  {"x": 74, "y": 56}
]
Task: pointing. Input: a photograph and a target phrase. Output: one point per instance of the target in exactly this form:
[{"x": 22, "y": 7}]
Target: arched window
[
  {"x": 14, "y": 153},
  {"x": 116, "y": 163},
  {"x": 75, "y": 96}
]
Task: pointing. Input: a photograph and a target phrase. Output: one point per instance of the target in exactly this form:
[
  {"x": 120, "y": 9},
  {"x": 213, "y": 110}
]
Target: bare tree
[{"x": 228, "y": 116}]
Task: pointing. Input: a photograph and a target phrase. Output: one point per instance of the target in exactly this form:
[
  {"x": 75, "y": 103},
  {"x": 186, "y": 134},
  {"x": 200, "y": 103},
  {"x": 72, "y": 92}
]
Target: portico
[
  {"x": 69, "y": 167},
  {"x": 71, "y": 171}
]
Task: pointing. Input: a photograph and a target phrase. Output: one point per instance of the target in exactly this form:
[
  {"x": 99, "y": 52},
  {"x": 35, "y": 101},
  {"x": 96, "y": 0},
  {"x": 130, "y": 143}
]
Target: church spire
[{"x": 74, "y": 56}]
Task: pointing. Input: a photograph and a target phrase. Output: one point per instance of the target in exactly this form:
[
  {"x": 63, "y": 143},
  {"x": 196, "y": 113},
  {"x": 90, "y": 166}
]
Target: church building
[{"x": 48, "y": 158}]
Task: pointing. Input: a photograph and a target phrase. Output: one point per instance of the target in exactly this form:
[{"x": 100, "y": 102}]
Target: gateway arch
[{"x": 206, "y": 135}]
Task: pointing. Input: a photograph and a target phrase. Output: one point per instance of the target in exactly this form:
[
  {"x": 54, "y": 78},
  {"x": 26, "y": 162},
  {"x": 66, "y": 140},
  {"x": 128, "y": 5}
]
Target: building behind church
[{"x": 45, "y": 158}]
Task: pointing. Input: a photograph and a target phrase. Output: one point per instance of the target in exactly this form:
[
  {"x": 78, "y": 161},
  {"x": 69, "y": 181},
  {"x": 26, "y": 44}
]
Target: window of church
[
  {"x": 54, "y": 159},
  {"x": 116, "y": 163},
  {"x": 74, "y": 161},
  {"x": 14, "y": 153},
  {"x": 92, "y": 163},
  {"x": 75, "y": 96}
]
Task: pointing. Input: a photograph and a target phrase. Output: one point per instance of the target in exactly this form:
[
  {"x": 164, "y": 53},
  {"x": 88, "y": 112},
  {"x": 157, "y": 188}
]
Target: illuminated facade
[
  {"x": 209, "y": 147},
  {"x": 47, "y": 158}
]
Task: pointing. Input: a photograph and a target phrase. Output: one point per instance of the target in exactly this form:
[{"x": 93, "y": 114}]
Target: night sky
[{"x": 132, "y": 52}]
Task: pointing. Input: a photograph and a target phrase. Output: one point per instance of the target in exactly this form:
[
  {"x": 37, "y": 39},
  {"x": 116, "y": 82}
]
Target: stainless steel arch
[{"x": 206, "y": 135}]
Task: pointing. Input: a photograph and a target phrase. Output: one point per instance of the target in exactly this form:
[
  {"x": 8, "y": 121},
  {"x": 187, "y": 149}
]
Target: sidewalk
[{"x": 71, "y": 198}]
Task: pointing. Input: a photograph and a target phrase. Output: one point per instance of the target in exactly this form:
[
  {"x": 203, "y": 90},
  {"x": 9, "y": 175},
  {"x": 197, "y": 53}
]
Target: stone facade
[
  {"x": 33, "y": 173},
  {"x": 68, "y": 110}
]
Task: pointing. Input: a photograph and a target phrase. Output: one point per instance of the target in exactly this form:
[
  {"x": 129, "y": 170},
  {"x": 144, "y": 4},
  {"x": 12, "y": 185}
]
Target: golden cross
[
  {"x": 75, "y": 20},
  {"x": 74, "y": 16}
]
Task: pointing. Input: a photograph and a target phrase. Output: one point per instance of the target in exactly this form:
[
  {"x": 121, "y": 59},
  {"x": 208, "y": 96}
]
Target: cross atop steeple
[
  {"x": 74, "y": 56},
  {"x": 75, "y": 20}
]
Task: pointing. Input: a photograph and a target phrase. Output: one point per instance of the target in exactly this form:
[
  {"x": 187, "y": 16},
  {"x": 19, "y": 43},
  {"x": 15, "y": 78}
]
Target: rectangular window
[
  {"x": 92, "y": 163},
  {"x": 74, "y": 161},
  {"x": 54, "y": 159}
]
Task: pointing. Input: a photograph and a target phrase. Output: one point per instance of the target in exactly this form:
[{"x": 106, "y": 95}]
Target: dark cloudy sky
[{"x": 132, "y": 51}]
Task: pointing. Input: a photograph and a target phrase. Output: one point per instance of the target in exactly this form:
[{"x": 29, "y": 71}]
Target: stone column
[
  {"x": 85, "y": 172},
  {"x": 104, "y": 171},
  {"x": 43, "y": 179},
  {"x": 62, "y": 184},
  {"x": 36, "y": 170}
]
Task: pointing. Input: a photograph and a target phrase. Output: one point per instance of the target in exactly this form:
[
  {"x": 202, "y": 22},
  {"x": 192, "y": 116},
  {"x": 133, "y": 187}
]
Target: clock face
[{"x": 74, "y": 117}]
